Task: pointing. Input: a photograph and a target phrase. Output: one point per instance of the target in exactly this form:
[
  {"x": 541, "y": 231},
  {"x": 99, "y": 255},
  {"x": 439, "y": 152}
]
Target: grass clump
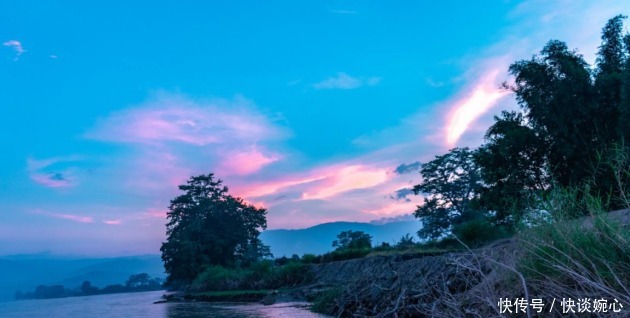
[{"x": 326, "y": 301}]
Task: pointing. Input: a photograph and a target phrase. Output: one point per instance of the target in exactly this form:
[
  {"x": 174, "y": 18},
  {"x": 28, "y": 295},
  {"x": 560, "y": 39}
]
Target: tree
[
  {"x": 352, "y": 240},
  {"x": 513, "y": 167},
  {"x": 608, "y": 78},
  {"x": 556, "y": 93},
  {"x": 450, "y": 183},
  {"x": 406, "y": 241},
  {"x": 207, "y": 226},
  {"x": 88, "y": 289},
  {"x": 579, "y": 113},
  {"x": 138, "y": 280}
]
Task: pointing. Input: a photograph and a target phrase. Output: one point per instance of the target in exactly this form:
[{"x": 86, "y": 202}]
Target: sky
[{"x": 318, "y": 111}]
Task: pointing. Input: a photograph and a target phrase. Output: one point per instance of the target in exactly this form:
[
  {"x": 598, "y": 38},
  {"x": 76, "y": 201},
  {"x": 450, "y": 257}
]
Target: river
[{"x": 141, "y": 305}]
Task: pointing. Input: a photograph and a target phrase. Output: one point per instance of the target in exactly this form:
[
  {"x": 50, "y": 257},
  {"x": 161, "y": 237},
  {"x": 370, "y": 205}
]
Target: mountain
[
  {"x": 318, "y": 239},
  {"x": 26, "y": 272}
]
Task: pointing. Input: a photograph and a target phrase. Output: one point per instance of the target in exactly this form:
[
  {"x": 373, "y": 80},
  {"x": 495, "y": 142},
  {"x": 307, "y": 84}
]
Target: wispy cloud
[
  {"x": 17, "y": 47},
  {"x": 66, "y": 216},
  {"x": 345, "y": 179},
  {"x": 344, "y": 11},
  {"x": 231, "y": 136},
  {"x": 173, "y": 118},
  {"x": 112, "y": 222},
  {"x": 52, "y": 172},
  {"x": 345, "y": 81},
  {"x": 247, "y": 161}
]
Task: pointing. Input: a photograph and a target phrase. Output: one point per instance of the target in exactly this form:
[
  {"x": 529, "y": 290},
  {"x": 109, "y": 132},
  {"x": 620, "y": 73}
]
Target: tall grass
[{"x": 581, "y": 257}]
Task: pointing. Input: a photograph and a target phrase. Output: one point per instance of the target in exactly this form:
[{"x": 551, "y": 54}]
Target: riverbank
[
  {"x": 543, "y": 263},
  {"x": 265, "y": 297}
]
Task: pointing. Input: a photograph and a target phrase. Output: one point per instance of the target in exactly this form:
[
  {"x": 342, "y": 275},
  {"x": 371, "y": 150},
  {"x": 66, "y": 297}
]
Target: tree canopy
[
  {"x": 207, "y": 226},
  {"x": 449, "y": 183},
  {"x": 572, "y": 117},
  {"x": 352, "y": 240}
]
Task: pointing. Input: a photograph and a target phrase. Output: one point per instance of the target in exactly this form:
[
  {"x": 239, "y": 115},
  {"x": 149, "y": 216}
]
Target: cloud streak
[
  {"x": 66, "y": 216},
  {"x": 485, "y": 94},
  {"x": 345, "y": 81}
]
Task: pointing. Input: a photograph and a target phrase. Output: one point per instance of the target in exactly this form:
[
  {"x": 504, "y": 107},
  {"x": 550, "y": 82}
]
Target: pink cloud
[
  {"x": 246, "y": 162},
  {"x": 176, "y": 119},
  {"x": 319, "y": 183},
  {"x": 155, "y": 213},
  {"x": 342, "y": 179},
  {"x": 250, "y": 191},
  {"x": 51, "y": 180},
  {"x": 483, "y": 96},
  {"x": 112, "y": 222},
  {"x": 52, "y": 172},
  {"x": 66, "y": 216},
  {"x": 76, "y": 218}
]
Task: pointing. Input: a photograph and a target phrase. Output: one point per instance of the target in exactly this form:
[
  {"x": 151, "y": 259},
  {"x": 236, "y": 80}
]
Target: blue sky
[{"x": 303, "y": 107}]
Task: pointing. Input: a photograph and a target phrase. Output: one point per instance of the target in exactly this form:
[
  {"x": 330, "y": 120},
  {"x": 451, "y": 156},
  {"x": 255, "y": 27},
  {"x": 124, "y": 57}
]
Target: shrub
[
  {"x": 310, "y": 259},
  {"x": 326, "y": 302},
  {"x": 479, "y": 231},
  {"x": 218, "y": 278}
]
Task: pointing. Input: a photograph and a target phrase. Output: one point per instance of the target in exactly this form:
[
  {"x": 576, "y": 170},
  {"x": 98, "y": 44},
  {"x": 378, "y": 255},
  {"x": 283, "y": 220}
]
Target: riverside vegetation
[
  {"x": 523, "y": 216},
  {"x": 136, "y": 283}
]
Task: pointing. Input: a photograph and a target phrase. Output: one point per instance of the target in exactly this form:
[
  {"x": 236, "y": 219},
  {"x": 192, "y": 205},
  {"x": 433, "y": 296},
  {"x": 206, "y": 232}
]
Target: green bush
[
  {"x": 345, "y": 254},
  {"x": 218, "y": 278},
  {"x": 477, "y": 232},
  {"x": 585, "y": 257},
  {"x": 292, "y": 274},
  {"x": 310, "y": 259},
  {"x": 326, "y": 302}
]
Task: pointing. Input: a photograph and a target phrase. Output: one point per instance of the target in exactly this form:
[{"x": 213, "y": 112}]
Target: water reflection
[
  {"x": 195, "y": 310},
  {"x": 141, "y": 305}
]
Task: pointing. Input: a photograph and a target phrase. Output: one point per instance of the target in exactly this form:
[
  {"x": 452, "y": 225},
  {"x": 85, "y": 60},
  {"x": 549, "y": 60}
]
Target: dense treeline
[
  {"x": 573, "y": 119},
  {"x": 135, "y": 283}
]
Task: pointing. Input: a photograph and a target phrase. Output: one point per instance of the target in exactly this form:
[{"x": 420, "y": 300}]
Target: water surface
[{"x": 141, "y": 305}]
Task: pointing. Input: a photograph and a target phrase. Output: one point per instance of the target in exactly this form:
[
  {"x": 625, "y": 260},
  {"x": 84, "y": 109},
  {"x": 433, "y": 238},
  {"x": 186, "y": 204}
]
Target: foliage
[
  {"x": 573, "y": 117},
  {"x": 450, "y": 183},
  {"x": 325, "y": 302},
  {"x": 576, "y": 113},
  {"x": 406, "y": 241},
  {"x": 261, "y": 275},
  {"x": 587, "y": 258},
  {"x": 309, "y": 258},
  {"x": 512, "y": 166},
  {"x": 477, "y": 232},
  {"x": 208, "y": 227},
  {"x": 135, "y": 283},
  {"x": 345, "y": 254},
  {"x": 352, "y": 240}
]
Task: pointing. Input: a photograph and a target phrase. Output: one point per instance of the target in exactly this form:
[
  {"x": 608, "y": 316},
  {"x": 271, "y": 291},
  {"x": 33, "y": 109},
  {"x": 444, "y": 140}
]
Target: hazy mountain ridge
[
  {"x": 26, "y": 272},
  {"x": 318, "y": 239}
]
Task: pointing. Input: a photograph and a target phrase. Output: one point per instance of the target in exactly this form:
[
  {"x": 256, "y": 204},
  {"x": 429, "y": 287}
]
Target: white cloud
[
  {"x": 17, "y": 46},
  {"x": 344, "y": 11},
  {"x": 345, "y": 81}
]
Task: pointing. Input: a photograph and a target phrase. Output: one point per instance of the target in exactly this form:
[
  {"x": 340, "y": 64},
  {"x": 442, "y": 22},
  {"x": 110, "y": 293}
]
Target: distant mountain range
[
  {"x": 318, "y": 239},
  {"x": 26, "y": 272}
]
